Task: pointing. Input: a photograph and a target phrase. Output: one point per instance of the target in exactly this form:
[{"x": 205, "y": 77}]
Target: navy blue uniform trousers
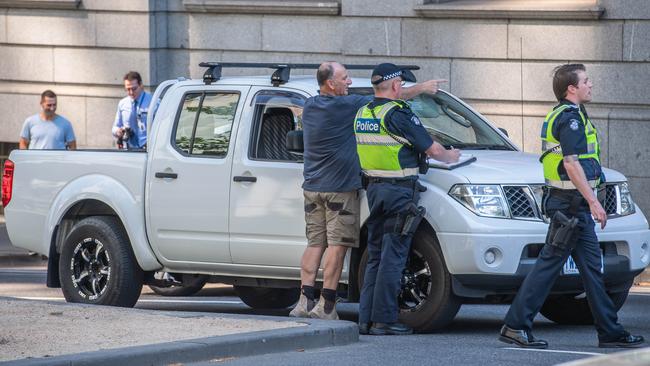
[
  {"x": 586, "y": 253},
  {"x": 387, "y": 251}
]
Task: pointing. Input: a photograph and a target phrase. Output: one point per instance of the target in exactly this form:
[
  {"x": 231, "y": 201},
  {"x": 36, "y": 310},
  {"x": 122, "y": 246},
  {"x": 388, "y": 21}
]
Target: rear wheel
[
  {"x": 189, "y": 285},
  {"x": 267, "y": 297},
  {"x": 97, "y": 265},
  {"x": 574, "y": 309},
  {"x": 426, "y": 300}
]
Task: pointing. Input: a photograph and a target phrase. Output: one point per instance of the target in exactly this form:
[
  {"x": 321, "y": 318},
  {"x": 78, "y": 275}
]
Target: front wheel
[
  {"x": 575, "y": 310},
  {"x": 427, "y": 302},
  {"x": 97, "y": 265},
  {"x": 266, "y": 297}
]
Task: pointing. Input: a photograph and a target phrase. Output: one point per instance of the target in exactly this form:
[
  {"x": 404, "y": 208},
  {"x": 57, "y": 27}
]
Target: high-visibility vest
[
  {"x": 379, "y": 149},
  {"x": 552, "y": 152}
]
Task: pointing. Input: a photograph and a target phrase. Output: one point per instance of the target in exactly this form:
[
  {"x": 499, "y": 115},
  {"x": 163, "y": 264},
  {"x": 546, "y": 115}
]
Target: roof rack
[{"x": 282, "y": 71}]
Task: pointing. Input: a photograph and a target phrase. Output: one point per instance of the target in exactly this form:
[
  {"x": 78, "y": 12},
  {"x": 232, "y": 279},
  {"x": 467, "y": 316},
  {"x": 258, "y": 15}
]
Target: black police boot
[
  {"x": 521, "y": 338},
  {"x": 364, "y": 328},
  {"x": 625, "y": 341},
  {"x": 390, "y": 329}
]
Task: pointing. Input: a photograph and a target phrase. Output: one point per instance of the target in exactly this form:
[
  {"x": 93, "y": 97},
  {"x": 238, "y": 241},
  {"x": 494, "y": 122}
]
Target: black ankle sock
[
  {"x": 309, "y": 292},
  {"x": 330, "y": 299}
]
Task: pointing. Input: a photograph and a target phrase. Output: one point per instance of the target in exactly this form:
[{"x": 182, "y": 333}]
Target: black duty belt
[
  {"x": 573, "y": 196},
  {"x": 403, "y": 182}
]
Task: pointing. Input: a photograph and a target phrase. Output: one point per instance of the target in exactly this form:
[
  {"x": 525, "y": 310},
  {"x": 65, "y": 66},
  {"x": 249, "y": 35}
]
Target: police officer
[
  {"x": 390, "y": 141},
  {"x": 571, "y": 170}
]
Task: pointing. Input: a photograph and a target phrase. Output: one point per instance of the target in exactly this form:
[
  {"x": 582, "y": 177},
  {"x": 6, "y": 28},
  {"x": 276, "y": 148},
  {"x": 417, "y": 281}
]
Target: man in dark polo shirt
[{"x": 332, "y": 183}]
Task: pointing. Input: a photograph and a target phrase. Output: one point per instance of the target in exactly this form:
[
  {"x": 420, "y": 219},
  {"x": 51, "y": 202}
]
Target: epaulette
[{"x": 402, "y": 104}]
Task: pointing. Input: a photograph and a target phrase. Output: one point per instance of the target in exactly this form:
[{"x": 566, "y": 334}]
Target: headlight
[
  {"x": 627, "y": 205},
  {"x": 483, "y": 200}
]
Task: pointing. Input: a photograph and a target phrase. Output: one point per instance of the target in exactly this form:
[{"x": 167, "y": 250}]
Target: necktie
[{"x": 133, "y": 118}]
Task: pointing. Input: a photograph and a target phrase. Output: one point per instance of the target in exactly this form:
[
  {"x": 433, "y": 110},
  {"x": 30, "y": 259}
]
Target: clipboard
[{"x": 465, "y": 159}]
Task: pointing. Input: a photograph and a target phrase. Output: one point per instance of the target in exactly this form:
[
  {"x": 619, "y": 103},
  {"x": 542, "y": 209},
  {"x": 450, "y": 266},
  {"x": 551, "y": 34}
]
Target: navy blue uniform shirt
[
  {"x": 570, "y": 131},
  {"x": 331, "y": 160},
  {"x": 403, "y": 122}
]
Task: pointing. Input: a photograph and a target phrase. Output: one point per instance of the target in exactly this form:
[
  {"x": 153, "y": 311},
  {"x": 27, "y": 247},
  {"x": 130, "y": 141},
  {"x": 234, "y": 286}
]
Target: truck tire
[
  {"x": 427, "y": 302},
  {"x": 191, "y": 285},
  {"x": 573, "y": 310},
  {"x": 97, "y": 265},
  {"x": 266, "y": 297}
]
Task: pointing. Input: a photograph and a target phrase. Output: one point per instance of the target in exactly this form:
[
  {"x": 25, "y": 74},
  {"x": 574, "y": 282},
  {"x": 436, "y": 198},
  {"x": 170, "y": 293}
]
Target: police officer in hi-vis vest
[
  {"x": 572, "y": 171},
  {"x": 390, "y": 141}
]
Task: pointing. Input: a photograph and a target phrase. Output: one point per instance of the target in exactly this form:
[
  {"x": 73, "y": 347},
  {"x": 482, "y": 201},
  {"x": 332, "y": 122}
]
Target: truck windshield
[{"x": 452, "y": 123}]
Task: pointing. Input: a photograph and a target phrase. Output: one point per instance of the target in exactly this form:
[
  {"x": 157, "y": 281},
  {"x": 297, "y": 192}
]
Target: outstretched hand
[{"x": 432, "y": 86}]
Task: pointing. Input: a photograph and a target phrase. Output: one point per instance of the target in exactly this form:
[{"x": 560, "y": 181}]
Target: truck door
[
  {"x": 267, "y": 224},
  {"x": 189, "y": 174}
]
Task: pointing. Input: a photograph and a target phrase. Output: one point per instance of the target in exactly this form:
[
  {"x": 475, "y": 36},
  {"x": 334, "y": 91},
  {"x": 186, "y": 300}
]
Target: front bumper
[{"x": 514, "y": 247}]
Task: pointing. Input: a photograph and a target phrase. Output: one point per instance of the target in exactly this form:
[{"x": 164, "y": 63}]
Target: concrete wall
[{"x": 501, "y": 66}]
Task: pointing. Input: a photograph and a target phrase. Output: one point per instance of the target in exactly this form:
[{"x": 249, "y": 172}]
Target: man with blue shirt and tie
[{"x": 130, "y": 126}]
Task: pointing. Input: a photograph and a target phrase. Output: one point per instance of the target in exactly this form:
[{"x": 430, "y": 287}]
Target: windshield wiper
[{"x": 469, "y": 146}]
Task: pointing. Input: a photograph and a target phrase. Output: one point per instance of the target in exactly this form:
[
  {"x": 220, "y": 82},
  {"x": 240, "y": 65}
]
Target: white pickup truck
[{"x": 217, "y": 197}]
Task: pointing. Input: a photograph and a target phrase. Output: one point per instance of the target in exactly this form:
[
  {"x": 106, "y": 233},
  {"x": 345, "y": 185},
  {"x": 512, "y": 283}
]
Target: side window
[
  {"x": 276, "y": 113},
  {"x": 204, "y": 124}
]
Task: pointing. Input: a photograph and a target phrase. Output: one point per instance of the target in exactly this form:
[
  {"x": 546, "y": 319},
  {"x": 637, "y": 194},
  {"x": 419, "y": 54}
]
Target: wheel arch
[
  {"x": 97, "y": 195},
  {"x": 355, "y": 256}
]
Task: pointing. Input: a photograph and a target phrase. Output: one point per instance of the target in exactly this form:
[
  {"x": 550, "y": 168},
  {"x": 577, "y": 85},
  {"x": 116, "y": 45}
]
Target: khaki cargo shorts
[{"x": 332, "y": 218}]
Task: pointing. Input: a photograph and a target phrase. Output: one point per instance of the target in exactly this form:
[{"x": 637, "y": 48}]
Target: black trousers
[
  {"x": 586, "y": 253},
  {"x": 387, "y": 251}
]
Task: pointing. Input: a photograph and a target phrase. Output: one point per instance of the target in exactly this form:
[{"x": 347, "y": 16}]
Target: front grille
[
  {"x": 609, "y": 202},
  {"x": 524, "y": 201},
  {"x": 520, "y": 202}
]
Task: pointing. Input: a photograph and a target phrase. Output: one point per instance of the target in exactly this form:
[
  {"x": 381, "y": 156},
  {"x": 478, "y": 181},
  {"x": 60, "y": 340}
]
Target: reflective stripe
[
  {"x": 407, "y": 172},
  {"x": 556, "y": 148},
  {"x": 591, "y": 148},
  {"x": 567, "y": 184},
  {"x": 385, "y": 140}
]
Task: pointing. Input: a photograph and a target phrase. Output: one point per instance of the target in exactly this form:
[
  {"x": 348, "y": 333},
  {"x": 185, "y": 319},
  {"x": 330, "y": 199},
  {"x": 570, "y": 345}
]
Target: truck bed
[{"x": 44, "y": 180}]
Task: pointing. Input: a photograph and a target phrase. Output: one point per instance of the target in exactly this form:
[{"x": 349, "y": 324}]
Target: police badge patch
[
  {"x": 574, "y": 124},
  {"x": 416, "y": 121}
]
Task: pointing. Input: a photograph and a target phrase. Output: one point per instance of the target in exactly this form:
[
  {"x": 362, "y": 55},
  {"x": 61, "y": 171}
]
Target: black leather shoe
[
  {"x": 624, "y": 341},
  {"x": 364, "y": 328},
  {"x": 521, "y": 338},
  {"x": 390, "y": 329}
]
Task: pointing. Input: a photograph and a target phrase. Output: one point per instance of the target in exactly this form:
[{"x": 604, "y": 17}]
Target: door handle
[
  {"x": 166, "y": 175},
  {"x": 242, "y": 178}
]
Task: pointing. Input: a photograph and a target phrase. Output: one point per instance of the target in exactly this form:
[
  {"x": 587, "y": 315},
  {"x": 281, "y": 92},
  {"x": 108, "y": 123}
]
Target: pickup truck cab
[{"x": 217, "y": 197}]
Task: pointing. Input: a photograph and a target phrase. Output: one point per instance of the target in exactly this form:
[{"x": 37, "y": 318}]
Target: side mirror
[
  {"x": 295, "y": 144},
  {"x": 505, "y": 132}
]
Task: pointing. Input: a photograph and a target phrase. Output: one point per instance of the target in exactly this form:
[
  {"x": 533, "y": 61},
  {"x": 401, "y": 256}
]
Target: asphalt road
[{"x": 470, "y": 340}]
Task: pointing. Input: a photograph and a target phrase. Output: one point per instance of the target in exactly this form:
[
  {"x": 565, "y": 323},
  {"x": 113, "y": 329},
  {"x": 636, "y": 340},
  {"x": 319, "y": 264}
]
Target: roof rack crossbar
[{"x": 282, "y": 71}]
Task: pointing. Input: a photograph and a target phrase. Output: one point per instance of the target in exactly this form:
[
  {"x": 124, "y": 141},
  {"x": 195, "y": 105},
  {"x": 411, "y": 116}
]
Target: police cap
[{"x": 387, "y": 71}]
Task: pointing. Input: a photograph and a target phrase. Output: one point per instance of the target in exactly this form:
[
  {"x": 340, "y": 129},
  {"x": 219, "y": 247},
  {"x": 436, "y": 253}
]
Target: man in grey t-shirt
[{"x": 47, "y": 130}]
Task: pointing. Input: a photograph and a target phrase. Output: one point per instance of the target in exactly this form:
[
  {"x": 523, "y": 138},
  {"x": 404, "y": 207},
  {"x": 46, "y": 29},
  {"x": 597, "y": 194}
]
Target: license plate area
[{"x": 570, "y": 267}]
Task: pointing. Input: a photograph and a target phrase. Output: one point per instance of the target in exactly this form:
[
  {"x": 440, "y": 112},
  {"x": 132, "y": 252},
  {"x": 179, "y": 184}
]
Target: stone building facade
[{"x": 498, "y": 55}]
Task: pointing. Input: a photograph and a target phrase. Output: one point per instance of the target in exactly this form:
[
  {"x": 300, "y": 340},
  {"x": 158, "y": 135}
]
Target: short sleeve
[
  {"x": 69, "y": 132},
  {"x": 25, "y": 132},
  {"x": 407, "y": 124},
  {"x": 569, "y": 130},
  {"x": 358, "y": 100}
]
